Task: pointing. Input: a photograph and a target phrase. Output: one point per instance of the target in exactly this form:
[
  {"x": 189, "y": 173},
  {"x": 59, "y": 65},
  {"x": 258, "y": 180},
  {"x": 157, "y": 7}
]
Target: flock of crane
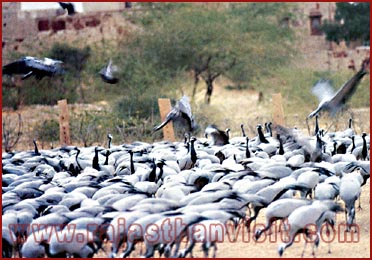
[{"x": 76, "y": 202}]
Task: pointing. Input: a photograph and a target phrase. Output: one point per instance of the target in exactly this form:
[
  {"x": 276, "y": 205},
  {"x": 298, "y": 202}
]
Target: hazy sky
[{"x": 47, "y": 5}]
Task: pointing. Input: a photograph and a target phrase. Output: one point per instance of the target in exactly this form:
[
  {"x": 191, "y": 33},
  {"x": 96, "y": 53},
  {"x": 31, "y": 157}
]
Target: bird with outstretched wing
[
  {"x": 181, "y": 110},
  {"x": 107, "y": 73},
  {"x": 30, "y": 66},
  {"x": 333, "y": 101}
]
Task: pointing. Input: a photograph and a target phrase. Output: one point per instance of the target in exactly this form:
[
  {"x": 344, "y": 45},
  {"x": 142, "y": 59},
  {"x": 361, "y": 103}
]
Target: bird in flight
[
  {"x": 181, "y": 110},
  {"x": 30, "y": 66},
  {"x": 107, "y": 73},
  {"x": 69, "y": 7},
  {"x": 331, "y": 101}
]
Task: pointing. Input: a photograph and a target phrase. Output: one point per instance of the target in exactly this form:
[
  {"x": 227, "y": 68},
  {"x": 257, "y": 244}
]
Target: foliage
[
  {"x": 74, "y": 59},
  {"x": 10, "y": 97},
  {"x": 74, "y": 62},
  {"x": 211, "y": 41},
  {"x": 91, "y": 127},
  {"x": 155, "y": 11},
  {"x": 86, "y": 127},
  {"x": 132, "y": 129},
  {"x": 269, "y": 43},
  {"x": 140, "y": 86},
  {"x": 351, "y": 23},
  {"x": 32, "y": 91},
  {"x": 237, "y": 87},
  {"x": 47, "y": 131}
]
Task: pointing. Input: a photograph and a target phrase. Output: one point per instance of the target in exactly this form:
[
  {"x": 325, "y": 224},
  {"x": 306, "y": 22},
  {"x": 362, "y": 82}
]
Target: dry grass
[{"x": 228, "y": 109}]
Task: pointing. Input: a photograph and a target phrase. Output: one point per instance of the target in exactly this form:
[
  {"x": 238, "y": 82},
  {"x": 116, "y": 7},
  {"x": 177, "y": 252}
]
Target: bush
[
  {"x": 10, "y": 96},
  {"x": 47, "y": 131},
  {"x": 91, "y": 128}
]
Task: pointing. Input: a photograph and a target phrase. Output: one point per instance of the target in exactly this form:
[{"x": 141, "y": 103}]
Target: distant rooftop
[{"x": 32, "y": 6}]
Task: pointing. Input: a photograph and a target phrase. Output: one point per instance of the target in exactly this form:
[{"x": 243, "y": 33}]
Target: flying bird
[
  {"x": 30, "y": 66},
  {"x": 69, "y": 7},
  {"x": 181, "y": 110},
  {"x": 107, "y": 73},
  {"x": 333, "y": 102}
]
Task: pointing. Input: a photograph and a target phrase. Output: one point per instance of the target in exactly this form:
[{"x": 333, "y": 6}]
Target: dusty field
[{"x": 228, "y": 109}]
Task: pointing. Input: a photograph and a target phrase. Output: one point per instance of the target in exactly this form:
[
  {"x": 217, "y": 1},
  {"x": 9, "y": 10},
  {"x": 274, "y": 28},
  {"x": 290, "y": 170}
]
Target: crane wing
[
  {"x": 184, "y": 106},
  {"x": 48, "y": 66},
  {"x": 16, "y": 67},
  {"x": 323, "y": 90},
  {"x": 107, "y": 73},
  {"x": 348, "y": 89},
  {"x": 104, "y": 72},
  {"x": 27, "y": 75},
  {"x": 185, "y": 111},
  {"x": 171, "y": 115},
  {"x": 219, "y": 137}
]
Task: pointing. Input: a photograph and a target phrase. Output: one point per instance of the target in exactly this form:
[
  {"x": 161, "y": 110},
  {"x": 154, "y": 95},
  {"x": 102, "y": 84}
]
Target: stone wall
[
  {"x": 317, "y": 52},
  {"x": 29, "y": 32}
]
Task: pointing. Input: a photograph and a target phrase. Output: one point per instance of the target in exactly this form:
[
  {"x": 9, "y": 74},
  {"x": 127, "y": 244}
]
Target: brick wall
[
  {"x": 317, "y": 52},
  {"x": 28, "y": 32}
]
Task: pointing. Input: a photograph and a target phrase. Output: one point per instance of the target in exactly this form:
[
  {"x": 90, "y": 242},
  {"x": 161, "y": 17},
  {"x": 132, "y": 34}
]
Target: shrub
[
  {"x": 47, "y": 131},
  {"x": 11, "y": 132}
]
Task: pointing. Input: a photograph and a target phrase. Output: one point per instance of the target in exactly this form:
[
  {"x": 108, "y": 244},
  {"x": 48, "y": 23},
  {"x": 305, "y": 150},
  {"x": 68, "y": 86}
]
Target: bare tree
[{"x": 11, "y": 132}]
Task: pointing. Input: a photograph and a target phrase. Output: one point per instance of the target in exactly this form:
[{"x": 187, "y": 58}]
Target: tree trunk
[
  {"x": 81, "y": 88},
  {"x": 208, "y": 94},
  {"x": 196, "y": 81}
]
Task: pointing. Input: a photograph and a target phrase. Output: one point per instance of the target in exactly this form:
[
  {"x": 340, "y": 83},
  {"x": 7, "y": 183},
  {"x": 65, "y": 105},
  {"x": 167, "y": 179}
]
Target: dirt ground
[
  {"x": 222, "y": 112},
  {"x": 228, "y": 109}
]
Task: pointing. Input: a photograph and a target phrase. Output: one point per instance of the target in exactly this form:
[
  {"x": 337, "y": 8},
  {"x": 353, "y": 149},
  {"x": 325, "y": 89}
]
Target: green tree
[
  {"x": 189, "y": 38},
  {"x": 269, "y": 42},
  {"x": 212, "y": 41},
  {"x": 351, "y": 23},
  {"x": 74, "y": 62}
]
